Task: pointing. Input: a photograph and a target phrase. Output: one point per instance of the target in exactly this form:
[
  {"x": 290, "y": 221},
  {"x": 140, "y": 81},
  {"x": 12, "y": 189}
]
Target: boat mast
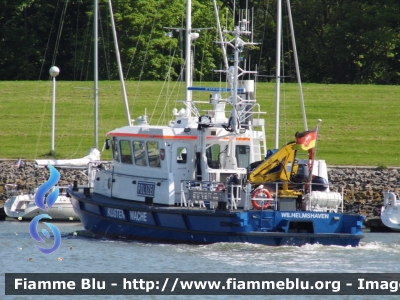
[
  {"x": 234, "y": 77},
  {"x": 219, "y": 30},
  {"x": 278, "y": 69},
  {"x": 296, "y": 61},
  {"x": 95, "y": 74},
  {"x": 121, "y": 75},
  {"x": 188, "y": 74}
]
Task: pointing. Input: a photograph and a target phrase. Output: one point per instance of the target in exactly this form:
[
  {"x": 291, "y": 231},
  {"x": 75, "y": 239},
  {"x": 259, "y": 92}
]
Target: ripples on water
[{"x": 378, "y": 252}]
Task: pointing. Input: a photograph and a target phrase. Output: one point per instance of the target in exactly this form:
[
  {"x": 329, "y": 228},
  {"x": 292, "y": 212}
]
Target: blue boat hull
[{"x": 119, "y": 219}]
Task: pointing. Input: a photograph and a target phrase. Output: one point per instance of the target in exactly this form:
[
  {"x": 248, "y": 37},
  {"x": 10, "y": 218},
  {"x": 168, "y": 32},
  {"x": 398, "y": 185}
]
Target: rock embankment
[
  {"x": 363, "y": 188},
  {"x": 27, "y": 176}
]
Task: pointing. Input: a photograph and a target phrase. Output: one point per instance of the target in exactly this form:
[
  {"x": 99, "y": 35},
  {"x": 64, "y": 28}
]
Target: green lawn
[{"x": 360, "y": 122}]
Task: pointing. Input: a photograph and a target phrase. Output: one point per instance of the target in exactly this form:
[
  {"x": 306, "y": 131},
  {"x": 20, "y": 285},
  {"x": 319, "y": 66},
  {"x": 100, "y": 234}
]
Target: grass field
[{"x": 360, "y": 122}]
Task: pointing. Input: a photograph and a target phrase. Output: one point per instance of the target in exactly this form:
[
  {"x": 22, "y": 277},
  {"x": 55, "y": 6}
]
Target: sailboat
[
  {"x": 207, "y": 177},
  {"x": 21, "y": 205}
]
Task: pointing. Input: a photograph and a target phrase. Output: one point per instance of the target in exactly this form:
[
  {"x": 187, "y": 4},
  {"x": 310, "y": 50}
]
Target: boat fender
[{"x": 255, "y": 194}]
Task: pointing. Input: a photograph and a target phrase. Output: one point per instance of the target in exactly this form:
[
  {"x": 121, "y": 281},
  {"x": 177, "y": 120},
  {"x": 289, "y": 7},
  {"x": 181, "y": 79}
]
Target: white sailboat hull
[
  {"x": 23, "y": 207},
  {"x": 390, "y": 211}
]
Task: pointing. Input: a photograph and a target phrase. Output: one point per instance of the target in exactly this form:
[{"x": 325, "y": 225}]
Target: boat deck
[{"x": 195, "y": 206}]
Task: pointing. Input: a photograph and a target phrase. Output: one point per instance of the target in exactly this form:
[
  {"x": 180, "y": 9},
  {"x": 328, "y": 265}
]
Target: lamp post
[{"x": 54, "y": 71}]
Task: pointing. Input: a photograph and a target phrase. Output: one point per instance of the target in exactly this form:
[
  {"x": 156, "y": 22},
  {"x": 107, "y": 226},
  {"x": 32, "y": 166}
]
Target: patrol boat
[{"x": 208, "y": 177}]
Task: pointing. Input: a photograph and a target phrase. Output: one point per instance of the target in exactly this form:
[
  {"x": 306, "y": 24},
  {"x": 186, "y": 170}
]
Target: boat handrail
[
  {"x": 97, "y": 163},
  {"x": 137, "y": 176},
  {"x": 211, "y": 191},
  {"x": 227, "y": 171},
  {"x": 108, "y": 167},
  {"x": 12, "y": 189},
  {"x": 202, "y": 185},
  {"x": 324, "y": 199}
]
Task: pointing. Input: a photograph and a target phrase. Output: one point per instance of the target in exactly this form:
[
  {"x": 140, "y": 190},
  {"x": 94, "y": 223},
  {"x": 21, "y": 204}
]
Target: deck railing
[
  {"x": 213, "y": 194},
  {"x": 209, "y": 194}
]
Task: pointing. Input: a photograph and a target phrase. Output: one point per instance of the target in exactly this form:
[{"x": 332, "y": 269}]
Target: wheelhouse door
[{"x": 182, "y": 164}]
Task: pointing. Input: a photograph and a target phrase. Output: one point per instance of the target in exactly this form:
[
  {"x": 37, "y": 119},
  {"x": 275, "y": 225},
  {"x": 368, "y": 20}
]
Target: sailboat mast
[
  {"x": 296, "y": 61},
  {"x": 278, "y": 69},
  {"x": 188, "y": 74},
  {"x": 121, "y": 75},
  {"x": 95, "y": 74},
  {"x": 219, "y": 30}
]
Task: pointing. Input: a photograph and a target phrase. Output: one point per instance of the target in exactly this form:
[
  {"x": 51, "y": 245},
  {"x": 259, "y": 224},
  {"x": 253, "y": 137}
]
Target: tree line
[{"x": 338, "y": 41}]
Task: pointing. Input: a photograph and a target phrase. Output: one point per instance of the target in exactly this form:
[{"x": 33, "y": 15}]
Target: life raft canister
[{"x": 255, "y": 194}]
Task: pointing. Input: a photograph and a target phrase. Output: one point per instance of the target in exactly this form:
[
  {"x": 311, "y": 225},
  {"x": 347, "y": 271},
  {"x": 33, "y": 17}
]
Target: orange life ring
[
  {"x": 255, "y": 202},
  {"x": 220, "y": 187}
]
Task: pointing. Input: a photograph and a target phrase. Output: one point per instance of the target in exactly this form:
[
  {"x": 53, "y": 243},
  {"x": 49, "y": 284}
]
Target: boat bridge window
[
  {"x": 114, "y": 149},
  {"x": 153, "y": 154},
  {"x": 139, "y": 153},
  {"x": 213, "y": 156},
  {"x": 126, "y": 154},
  {"x": 181, "y": 155},
  {"x": 242, "y": 156}
]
